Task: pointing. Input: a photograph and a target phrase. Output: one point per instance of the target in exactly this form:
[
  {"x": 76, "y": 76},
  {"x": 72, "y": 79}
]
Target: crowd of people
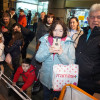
[{"x": 77, "y": 46}]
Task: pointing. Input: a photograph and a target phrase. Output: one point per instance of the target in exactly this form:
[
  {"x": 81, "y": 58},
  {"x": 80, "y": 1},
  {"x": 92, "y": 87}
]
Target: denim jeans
[{"x": 48, "y": 94}]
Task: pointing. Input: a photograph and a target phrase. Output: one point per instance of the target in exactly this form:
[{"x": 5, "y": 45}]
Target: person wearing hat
[{"x": 22, "y": 18}]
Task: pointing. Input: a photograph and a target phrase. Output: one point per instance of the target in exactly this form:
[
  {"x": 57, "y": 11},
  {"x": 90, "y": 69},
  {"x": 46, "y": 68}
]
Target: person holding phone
[{"x": 49, "y": 54}]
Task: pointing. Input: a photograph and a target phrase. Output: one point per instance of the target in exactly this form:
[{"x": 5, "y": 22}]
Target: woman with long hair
[
  {"x": 14, "y": 48},
  {"x": 74, "y": 31},
  {"x": 43, "y": 27}
]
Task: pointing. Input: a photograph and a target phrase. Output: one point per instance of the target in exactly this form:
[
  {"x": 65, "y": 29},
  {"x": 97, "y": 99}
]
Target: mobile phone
[{"x": 56, "y": 43}]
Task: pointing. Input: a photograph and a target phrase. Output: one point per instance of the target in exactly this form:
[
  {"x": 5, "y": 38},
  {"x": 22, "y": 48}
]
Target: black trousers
[
  {"x": 24, "y": 49},
  {"x": 34, "y": 27},
  {"x": 16, "y": 62}
]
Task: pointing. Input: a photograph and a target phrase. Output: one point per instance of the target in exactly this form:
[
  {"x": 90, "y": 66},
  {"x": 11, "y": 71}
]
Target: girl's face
[
  {"x": 58, "y": 31},
  {"x": 73, "y": 24},
  {"x": 49, "y": 20}
]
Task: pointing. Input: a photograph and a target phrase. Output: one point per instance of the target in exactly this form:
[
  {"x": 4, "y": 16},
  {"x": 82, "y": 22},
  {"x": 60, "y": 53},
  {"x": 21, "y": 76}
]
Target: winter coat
[
  {"x": 88, "y": 58},
  {"x": 7, "y": 35},
  {"x": 28, "y": 77},
  {"x": 48, "y": 59},
  {"x": 15, "y": 17},
  {"x": 29, "y": 16},
  {"x": 42, "y": 29},
  {"x": 22, "y": 20},
  {"x": 75, "y": 36},
  {"x": 28, "y": 35}
]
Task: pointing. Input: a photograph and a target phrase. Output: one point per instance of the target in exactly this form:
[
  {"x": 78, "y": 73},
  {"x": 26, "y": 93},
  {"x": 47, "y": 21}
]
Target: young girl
[
  {"x": 49, "y": 55},
  {"x": 2, "y": 56},
  {"x": 14, "y": 48},
  {"x": 74, "y": 30}
]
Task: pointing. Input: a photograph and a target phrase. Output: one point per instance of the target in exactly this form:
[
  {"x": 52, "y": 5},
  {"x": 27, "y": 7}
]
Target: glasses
[{"x": 93, "y": 17}]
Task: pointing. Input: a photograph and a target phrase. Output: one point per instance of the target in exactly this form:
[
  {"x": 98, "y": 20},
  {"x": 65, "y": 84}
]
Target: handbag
[
  {"x": 37, "y": 86},
  {"x": 8, "y": 59},
  {"x": 64, "y": 74}
]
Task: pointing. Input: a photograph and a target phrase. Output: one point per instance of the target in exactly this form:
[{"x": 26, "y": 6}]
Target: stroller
[
  {"x": 37, "y": 86},
  {"x": 19, "y": 95},
  {"x": 72, "y": 92}
]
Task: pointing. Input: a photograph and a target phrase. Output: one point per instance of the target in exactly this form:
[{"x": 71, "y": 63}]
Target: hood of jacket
[{"x": 45, "y": 39}]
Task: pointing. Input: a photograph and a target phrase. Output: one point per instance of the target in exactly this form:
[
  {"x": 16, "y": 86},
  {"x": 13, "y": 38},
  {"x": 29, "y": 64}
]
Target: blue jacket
[{"x": 43, "y": 55}]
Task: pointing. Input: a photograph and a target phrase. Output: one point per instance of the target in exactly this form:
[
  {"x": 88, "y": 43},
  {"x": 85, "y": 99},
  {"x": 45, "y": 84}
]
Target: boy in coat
[{"x": 27, "y": 72}]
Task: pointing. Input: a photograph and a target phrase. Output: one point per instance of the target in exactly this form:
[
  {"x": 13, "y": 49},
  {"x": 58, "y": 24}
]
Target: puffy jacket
[
  {"x": 22, "y": 20},
  {"x": 28, "y": 77},
  {"x": 48, "y": 60}
]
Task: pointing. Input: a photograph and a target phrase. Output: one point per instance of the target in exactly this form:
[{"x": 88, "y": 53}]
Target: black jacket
[
  {"x": 15, "y": 17},
  {"x": 28, "y": 35},
  {"x": 88, "y": 58}
]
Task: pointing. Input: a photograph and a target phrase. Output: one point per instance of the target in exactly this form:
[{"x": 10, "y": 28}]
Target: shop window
[{"x": 81, "y": 14}]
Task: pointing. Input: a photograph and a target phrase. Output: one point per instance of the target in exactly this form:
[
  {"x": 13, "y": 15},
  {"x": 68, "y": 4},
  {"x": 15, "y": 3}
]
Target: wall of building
[
  {"x": 1, "y": 5},
  {"x": 57, "y": 8},
  {"x": 5, "y": 5}
]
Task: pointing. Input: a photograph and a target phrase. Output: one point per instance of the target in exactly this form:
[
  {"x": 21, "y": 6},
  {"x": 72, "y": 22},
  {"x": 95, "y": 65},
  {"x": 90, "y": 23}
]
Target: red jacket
[
  {"x": 28, "y": 77},
  {"x": 22, "y": 20}
]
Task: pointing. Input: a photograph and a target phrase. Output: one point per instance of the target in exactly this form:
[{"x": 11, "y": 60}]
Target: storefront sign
[{"x": 81, "y": 17}]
